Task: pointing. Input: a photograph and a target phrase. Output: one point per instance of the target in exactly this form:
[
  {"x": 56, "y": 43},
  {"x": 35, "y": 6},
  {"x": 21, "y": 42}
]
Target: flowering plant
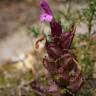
[{"x": 63, "y": 69}]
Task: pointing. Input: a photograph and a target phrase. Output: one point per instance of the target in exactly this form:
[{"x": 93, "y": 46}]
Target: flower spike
[{"x": 61, "y": 64}]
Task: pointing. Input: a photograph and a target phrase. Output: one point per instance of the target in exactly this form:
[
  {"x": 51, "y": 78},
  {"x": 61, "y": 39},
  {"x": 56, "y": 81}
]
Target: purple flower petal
[
  {"x": 46, "y": 17},
  {"x": 56, "y": 28},
  {"x": 46, "y": 8}
]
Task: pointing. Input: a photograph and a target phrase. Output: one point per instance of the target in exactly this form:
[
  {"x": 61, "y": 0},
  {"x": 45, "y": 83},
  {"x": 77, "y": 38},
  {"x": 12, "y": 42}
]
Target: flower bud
[
  {"x": 66, "y": 40},
  {"x": 53, "y": 50},
  {"x": 56, "y": 28}
]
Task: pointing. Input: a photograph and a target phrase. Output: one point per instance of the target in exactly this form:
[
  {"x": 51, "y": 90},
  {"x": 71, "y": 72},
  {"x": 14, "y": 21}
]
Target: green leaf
[{"x": 35, "y": 31}]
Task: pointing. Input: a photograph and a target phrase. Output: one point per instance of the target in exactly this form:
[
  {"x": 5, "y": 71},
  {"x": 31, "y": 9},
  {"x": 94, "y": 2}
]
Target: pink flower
[{"x": 47, "y": 15}]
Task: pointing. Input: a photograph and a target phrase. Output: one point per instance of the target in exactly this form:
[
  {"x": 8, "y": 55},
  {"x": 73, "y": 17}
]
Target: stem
[
  {"x": 69, "y": 6},
  {"x": 90, "y": 26},
  {"x": 91, "y": 19},
  {"x": 92, "y": 10}
]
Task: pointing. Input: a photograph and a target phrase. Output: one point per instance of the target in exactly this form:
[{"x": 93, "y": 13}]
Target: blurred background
[
  {"x": 20, "y": 27},
  {"x": 17, "y": 16}
]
